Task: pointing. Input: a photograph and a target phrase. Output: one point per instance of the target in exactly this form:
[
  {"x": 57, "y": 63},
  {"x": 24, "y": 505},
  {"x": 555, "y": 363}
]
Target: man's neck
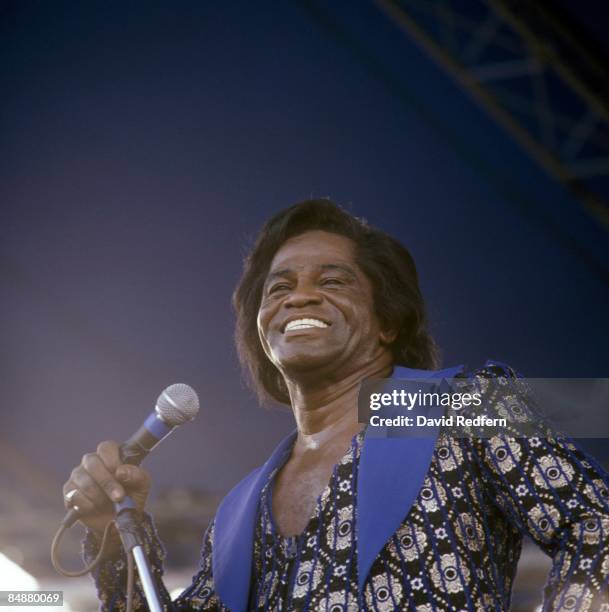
[{"x": 328, "y": 410}]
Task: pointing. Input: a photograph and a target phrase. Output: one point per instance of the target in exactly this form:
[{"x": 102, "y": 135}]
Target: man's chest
[{"x": 296, "y": 492}]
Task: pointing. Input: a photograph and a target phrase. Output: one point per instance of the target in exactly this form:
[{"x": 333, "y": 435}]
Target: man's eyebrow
[
  {"x": 342, "y": 267},
  {"x": 287, "y": 272},
  {"x": 283, "y": 273}
]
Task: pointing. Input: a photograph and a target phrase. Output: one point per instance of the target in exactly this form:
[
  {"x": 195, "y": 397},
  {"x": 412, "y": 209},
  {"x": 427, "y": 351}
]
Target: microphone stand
[{"x": 128, "y": 529}]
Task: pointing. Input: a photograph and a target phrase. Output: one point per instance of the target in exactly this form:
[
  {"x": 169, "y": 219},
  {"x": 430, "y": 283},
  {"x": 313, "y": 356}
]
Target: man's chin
[{"x": 300, "y": 363}]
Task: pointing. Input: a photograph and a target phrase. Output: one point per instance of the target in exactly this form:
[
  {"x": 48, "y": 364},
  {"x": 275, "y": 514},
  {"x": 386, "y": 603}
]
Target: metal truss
[{"x": 533, "y": 73}]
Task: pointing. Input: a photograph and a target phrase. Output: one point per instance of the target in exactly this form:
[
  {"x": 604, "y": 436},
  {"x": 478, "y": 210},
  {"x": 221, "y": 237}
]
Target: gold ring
[{"x": 69, "y": 495}]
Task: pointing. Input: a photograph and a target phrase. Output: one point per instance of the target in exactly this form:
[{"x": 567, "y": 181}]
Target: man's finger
[
  {"x": 88, "y": 488},
  {"x": 109, "y": 452},
  {"x": 98, "y": 471},
  {"x": 77, "y": 499},
  {"x": 133, "y": 477}
]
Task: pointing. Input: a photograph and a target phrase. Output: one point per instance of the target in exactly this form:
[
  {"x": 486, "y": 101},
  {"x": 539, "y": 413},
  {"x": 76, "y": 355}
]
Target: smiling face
[{"x": 317, "y": 312}]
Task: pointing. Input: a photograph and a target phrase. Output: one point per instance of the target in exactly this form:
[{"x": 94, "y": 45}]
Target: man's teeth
[{"x": 304, "y": 324}]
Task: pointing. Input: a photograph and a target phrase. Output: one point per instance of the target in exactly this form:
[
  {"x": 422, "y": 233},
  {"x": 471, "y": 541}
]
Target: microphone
[{"x": 176, "y": 405}]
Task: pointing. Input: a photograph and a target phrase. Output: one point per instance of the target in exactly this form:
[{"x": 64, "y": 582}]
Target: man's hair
[{"x": 398, "y": 302}]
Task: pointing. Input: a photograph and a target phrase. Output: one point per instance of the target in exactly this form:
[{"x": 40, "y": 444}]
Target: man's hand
[{"x": 102, "y": 479}]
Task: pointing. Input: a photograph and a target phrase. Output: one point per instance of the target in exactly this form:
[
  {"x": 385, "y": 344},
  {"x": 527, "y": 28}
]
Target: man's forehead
[
  {"x": 317, "y": 246},
  {"x": 316, "y": 249}
]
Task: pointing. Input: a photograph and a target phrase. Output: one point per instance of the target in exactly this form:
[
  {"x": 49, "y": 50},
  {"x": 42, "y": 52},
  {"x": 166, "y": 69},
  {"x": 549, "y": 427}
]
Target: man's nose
[{"x": 303, "y": 295}]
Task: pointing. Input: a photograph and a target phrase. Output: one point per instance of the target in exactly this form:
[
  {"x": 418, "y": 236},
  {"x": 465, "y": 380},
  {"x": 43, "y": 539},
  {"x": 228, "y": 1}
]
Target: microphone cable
[{"x": 98, "y": 559}]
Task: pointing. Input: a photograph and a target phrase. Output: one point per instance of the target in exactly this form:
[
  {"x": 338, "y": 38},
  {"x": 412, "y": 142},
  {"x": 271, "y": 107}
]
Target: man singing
[{"x": 338, "y": 519}]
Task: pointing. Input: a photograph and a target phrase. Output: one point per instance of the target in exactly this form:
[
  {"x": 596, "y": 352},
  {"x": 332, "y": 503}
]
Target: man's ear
[{"x": 388, "y": 336}]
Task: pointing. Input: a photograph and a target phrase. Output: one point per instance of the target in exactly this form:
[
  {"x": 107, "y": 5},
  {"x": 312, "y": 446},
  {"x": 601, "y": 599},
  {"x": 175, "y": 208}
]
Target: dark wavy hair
[{"x": 397, "y": 298}]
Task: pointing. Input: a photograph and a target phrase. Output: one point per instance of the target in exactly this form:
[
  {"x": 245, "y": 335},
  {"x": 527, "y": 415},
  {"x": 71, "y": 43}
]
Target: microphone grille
[{"x": 178, "y": 404}]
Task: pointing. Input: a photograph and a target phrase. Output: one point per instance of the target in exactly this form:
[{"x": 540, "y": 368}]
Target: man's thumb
[{"x": 124, "y": 473}]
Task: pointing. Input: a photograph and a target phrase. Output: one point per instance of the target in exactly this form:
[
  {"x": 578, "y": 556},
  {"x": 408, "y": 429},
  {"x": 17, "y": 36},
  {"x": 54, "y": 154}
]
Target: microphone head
[{"x": 178, "y": 404}]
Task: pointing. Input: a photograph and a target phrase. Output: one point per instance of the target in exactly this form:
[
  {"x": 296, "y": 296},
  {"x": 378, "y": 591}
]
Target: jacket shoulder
[{"x": 493, "y": 369}]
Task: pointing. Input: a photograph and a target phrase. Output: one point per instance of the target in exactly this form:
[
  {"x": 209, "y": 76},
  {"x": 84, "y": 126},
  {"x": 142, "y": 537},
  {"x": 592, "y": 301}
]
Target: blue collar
[{"x": 389, "y": 479}]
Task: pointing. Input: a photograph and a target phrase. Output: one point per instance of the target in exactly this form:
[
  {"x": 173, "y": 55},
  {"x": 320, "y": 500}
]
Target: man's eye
[
  {"x": 279, "y": 287},
  {"x": 331, "y": 281}
]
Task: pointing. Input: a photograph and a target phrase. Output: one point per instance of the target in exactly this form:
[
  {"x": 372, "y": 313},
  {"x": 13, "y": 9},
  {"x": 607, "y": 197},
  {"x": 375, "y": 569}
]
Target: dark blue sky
[{"x": 143, "y": 145}]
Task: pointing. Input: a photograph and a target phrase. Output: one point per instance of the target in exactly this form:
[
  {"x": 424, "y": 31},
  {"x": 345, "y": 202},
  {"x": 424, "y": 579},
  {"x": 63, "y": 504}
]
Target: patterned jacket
[{"x": 432, "y": 523}]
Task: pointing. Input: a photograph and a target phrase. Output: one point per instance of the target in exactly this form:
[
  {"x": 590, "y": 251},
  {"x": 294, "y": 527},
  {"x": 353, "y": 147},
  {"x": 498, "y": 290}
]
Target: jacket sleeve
[
  {"x": 111, "y": 576},
  {"x": 550, "y": 490}
]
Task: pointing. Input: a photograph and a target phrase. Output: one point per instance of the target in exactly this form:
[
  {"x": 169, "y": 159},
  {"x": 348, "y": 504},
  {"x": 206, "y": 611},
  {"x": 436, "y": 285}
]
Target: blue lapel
[
  {"x": 390, "y": 477},
  {"x": 234, "y": 532}
]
